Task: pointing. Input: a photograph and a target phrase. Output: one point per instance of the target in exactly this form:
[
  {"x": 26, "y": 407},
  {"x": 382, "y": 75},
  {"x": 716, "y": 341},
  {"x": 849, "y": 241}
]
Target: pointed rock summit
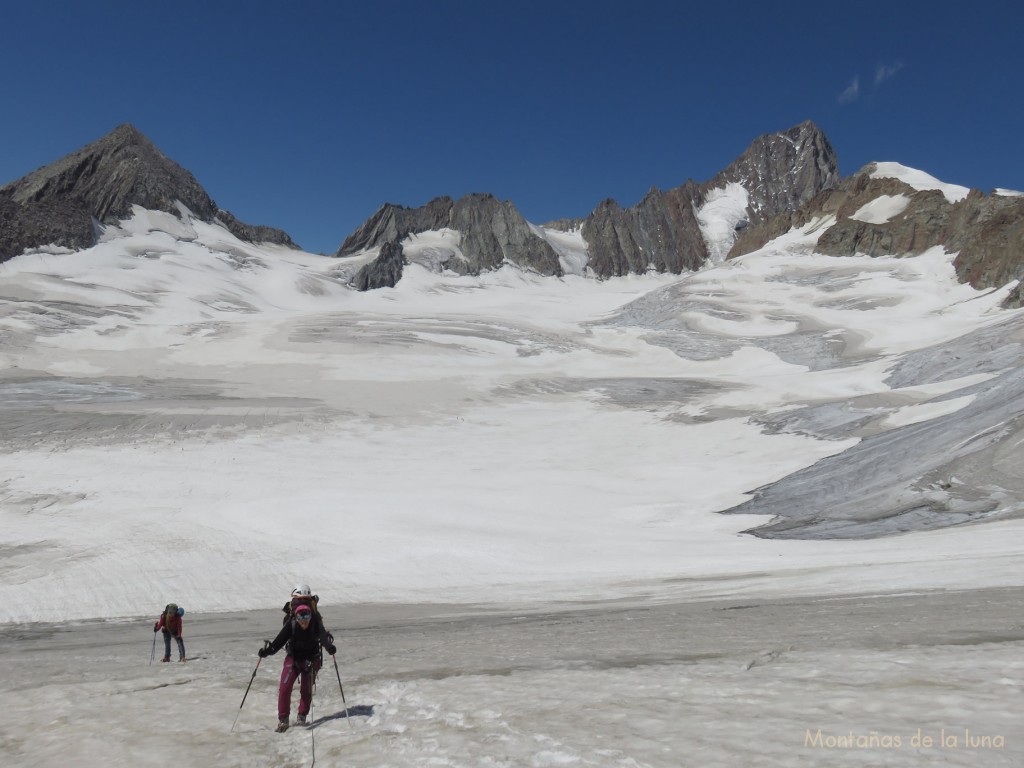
[
  {"x": 122, "y": 169},
  {"x": 779, "y": 172},
  {"x": 782, "y": 171},
  {"x": 64, "y": 202}
]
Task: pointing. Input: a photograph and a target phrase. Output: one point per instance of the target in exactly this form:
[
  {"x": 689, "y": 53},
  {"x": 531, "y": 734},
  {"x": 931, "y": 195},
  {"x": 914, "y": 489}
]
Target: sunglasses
[{"x": 303, "y": 616}]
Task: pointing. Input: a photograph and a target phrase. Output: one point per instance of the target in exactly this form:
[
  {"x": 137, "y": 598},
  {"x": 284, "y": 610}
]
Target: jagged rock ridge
[
  {"x": 662, "y": 232},
  {"x": 789, "y": 178},
  {"x": 64, "y": 202},
  {"x": 493, "y": 233}
]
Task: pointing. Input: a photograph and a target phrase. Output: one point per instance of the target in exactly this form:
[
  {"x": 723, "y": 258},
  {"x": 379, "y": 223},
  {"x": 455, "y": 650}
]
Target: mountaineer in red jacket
[{"x": 170, "y": 622}]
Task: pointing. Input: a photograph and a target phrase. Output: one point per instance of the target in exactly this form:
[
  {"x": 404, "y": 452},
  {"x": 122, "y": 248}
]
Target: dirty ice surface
[
  {"x": 918, "y": 679},
  {"x": 192, "y": 418}
]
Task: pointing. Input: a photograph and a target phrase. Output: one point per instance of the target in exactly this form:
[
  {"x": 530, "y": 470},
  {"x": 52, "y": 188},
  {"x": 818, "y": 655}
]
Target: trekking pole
[
  {"x": 312, "y": 736},
  {"x": 347, "y": 715},
  {"x": 247, "y": 689},
  {"x": 152, "y": 654}
]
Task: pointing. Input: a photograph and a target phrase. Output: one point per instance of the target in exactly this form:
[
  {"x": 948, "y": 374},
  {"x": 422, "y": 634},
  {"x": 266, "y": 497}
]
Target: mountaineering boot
[
  {"x": 282, "y": 726},
  {"x": 301, "y": 719},
  {"x": 166, "y": 658},
  {"x": 181, "y": 660}
]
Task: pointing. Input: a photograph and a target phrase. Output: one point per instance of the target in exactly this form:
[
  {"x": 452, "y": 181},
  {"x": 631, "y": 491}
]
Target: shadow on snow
[{"x": 362, "y": 710}]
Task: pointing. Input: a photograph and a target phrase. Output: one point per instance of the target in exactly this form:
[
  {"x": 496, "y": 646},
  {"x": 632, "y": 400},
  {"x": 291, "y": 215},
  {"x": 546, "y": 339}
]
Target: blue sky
[{"x": 310, "y": 115}]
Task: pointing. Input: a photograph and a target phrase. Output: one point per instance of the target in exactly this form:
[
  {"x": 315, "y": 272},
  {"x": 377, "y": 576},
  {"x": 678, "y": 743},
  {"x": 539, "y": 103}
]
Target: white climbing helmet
[{"x": 302, "y": 590}]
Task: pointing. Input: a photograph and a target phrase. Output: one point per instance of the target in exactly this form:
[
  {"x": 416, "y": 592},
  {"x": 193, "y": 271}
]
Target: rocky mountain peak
[
  {"x": 62, "y": 203},
  {"x": 876, "y": 214},
  {"x": 122, "y": 169},
  {"x": 779, "y": 171},
  {"x": 782, "y": 171}
]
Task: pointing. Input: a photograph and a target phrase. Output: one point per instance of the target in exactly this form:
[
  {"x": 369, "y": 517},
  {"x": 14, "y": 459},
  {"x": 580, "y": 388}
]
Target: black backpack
[
  {"x": 315, "y": 625},
  {"x": 311, "y": 602}
]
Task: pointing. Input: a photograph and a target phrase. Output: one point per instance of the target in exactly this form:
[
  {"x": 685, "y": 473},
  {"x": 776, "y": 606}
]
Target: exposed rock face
[
  {"x": 790, "y": 178},
  {"x": 383, "y": 272},
  {"x": 991, "y": 243},
  {"x": 922, "y": 224},
  {"x": 109, "y": 175},
  {"x": 986, "y": 231},
  {"x": 780, "y": 171},
  {"x": 254, "y": 233},
  {"x": 661, "y": 233},
  {"x": 63, "y": 202},
  {"x": 493, "y": 233},
  {"x": 395, "y": 223},
  {"x": 850, "y": 194},
  {"x": 779, "y": 194},
  {"x": 67, "y": 223}
]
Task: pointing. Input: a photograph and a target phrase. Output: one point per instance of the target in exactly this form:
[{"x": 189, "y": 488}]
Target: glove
[
  {"x": 263, "y": 653},
  {"x": 331, "y": 648}
]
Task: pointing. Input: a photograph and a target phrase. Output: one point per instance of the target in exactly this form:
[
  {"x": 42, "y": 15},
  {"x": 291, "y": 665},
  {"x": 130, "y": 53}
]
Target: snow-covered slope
[
  {"x": 919, "y": 180},
  {"x": 723, "y": 212},
  {"x": 183, "y": 410}
]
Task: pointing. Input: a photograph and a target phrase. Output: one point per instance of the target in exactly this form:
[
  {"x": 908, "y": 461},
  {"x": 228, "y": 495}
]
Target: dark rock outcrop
[
  {"x": 841, "y": 201},
  {"x": 493, "y": 233},
  {"x": 395, "y": 223},
  {"x": 780, "y": 171},
  {"x": 110, "y": 175},
  {"x": 661, "y": 233},
  {"x": 383, "y": 272},
  {"x": 254, "y": 233},
  {"x": 990, "y": 243},
  {"x": 65, "y": 202},
  {"x": 67, "y": 223}
]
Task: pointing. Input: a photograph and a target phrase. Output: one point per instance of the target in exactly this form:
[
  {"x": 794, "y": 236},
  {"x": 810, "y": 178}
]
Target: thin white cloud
[
  {"x": 885, "y": 71},
  {"x": 852, "y": 92}
]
